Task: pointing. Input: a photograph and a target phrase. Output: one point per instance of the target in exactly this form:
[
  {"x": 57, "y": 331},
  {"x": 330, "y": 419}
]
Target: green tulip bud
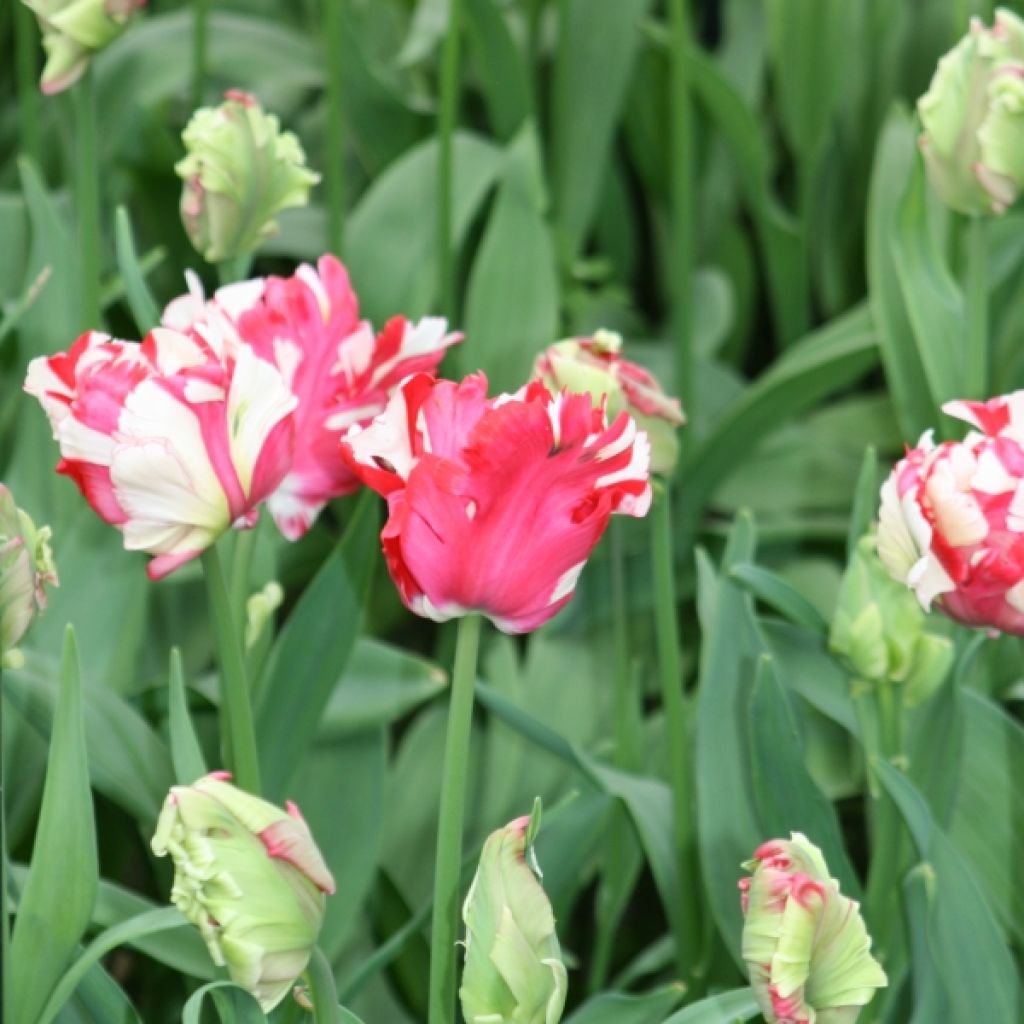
[
  {"x": 805, "y": 945},
  {"x": 514, "y": 972},
  {"x": 26, "y": 568},
  {"x": 240, "y": 171},
  {"x": 73, "y": 31},
  {"x": 880, "y": 630},
  {"x": 251, "y": 879},
  {"x": 973, "y": 119},
  {"x": 259, "y": 610},
  {"x": 594, "y": 366}
]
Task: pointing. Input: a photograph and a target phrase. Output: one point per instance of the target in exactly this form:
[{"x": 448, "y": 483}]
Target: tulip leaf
[
  {"x": 499, "y": 60},
  {"x": 312, "y": 650},
  {"x": 788, "y": 800},
  {"x": 140, "y": 300},
  {"x": 930, "y": 1002},
  {"x": 57, "y": 900},
  {"x": 724, "y": 1008},
  {"x": 618, "y": 1008},
  {"x": 99, "y": 998},
  {"x": 149, "y": 923},
  {"x": 233, "y": 1004},
  {"x": 778, "y": 594},
  {"x": 979, "y": 975},
  {"x": 507, "y": 327},
  {"x": 186, "y": 754}
]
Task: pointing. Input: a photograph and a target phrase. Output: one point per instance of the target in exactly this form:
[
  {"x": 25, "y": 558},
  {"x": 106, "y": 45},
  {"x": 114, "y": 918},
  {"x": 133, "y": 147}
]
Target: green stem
[
  {"x": 887, "y": 833},
  {"x": 241, "y": 559},
  {"x": 684, "y": 231},
  {"x": 200, "y": 37},
  {"x": 26, "y": 41},
  {"x": 5, "y": 931},
  {"x": 238, "y": 737},
  {"x": 443, "y": 932},
  {"x": 625, "y": 712},
  {"x": 677, "y": 726},
  {"x": 234, "y": 269},
  {"x": 446, "y": 123},
  {"x": 976, "y": 383},
  {"x": 334, "y": 169},
  {"x": 87, "y": 198},
  {"x": 320, "y": 979}
]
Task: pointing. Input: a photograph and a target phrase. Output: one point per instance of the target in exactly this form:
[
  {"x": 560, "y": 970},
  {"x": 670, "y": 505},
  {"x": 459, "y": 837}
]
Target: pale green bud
[
  {"x": 251, "y": 879},
  {"x": 514, "y": 972},
  {"x": 805, "y": 945},
  {"x": 880, "y": 630},
  {"x": 26, "y": 568},
  {"x": 973, "y": 119},
  {"x": 259, "y": 610},
  {"x": 240, "y": 171},
  {"x": 75, "y": 30},
  {"x": 594, "y": 366}
]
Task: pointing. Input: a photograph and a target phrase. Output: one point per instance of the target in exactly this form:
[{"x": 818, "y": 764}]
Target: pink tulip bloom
[
  {"x": 308, "y": 325},
  {"x": 172, "y": 441},
  {"x": 952, "y": 517},
  {"x": 496, "y": 503}
]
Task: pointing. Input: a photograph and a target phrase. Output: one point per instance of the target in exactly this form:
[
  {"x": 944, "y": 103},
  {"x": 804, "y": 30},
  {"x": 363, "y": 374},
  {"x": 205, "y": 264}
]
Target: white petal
[{"x": 386, "y": 437}]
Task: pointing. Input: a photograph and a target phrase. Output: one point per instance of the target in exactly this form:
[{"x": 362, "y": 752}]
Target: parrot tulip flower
[
  {"x": 496, "y": 503},
  {"x": 804, "y": 943},
  {"x": 172, "y": 441},
  {"x": 952, "y": 517},
  {"x": 308, "y": 325},
  {"x": 250, "y": 877}
]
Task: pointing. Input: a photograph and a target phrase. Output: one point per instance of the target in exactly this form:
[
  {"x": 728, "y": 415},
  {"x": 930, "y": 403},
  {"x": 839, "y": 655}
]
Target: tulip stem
[
  {"x": 677, "y": 725},
  {"x": 5, "y": 932},
  {"x": 976, "y": 383},
  {"x": 26, "y": 44},
  {"x": 446, "y": 123},
  {"x": 234, "y": 269},
  {"x": 625, "y": 709},
  {"x": 887, "y": 836},
  {"x": 238, "y": 737},
  {"x": 200, "y": 37},
  {"x": 322, "y": 990},
  {"x": 443, "y": 932},
  {"x": 334, "y": 164},
  {"x": 683, "y": 219},
  {"x": 87, "y": 198}
]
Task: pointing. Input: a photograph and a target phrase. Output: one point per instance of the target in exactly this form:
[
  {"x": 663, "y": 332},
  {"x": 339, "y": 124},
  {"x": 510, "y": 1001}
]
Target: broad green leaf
[
  {"x": 930, "y": 1002},
  {"x": 778, "y": 594},
  {"x": 99, "y": 997},
  {"x": 128, "y": 761},
  {"x": 904, "y": 371},
  {"x": 976, "y": 967},
  {"x": 597, "y": 46},
  {"x": 725, "y": 1008},
  {"x": 129, "y": 931},
  {"x": 186, "y": 754},
  {"x": 233, "y": 1004},
  {"x": 506, "y": 327},
  {"x": 865, "y": 501},
  {"x": 311, "y": 651},
  {"x": 391, "y": 234},
  {"x": 57, "y": 901},
  {"x": 500, "y": 66},
  {"x": 618, "y": 1008},
  {"x": 728, "y": 830},
  {"x": 140, "y": 300},
  {"x": 787, "y": 798}
]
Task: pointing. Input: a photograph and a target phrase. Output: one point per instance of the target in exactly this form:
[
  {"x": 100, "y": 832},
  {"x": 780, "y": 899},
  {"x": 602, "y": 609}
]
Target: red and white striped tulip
[
  {"x": 952, "y": 517},
  {"x": 308, "y": 325},
  {"x": 496, "y": 503},
  {"x": 173, "y": 440}
]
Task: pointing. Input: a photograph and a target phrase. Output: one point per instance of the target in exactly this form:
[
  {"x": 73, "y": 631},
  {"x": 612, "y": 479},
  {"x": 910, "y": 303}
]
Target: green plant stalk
[
  {"x": 234, "y": 269},
  {"x": 87, "y": 197},
  {"x": 241, "y": 558},
  {"x": 448, "y": 110},
  {"x": 27, "y": 70},
  {"x": 238, "y": 737},
  {"x": 624, "y": 710},
  {"x": 677, "y": 726},
  {"x": 976, "y": 364},
  {"x": 444, "y": 923},
  {"x": 683, "y": 186},
  {"x": 334, "y": 169},
  {"x": 887, "y": 838},
  {"x": 320, "y": 979},
  {"x": 200, "y": 38},
  {"x": 5, "y": 931}
]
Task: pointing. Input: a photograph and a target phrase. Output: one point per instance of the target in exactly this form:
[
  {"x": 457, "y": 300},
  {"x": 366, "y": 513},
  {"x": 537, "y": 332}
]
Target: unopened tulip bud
[
  {"x": 26, "y": 568},
  {"x": 805, "y": 945},
  {"x": 73, "y": 32},
  {"x": 973, "y": 119},
  {"x": 594, "y": 366},
  {"x": 240, "y": 171},
  {"x": 259, "y": 610},
  {"x": 250, "y": 877},
  {"x": 514, "y": 972},
  {"x": 879, "y": 629}
]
